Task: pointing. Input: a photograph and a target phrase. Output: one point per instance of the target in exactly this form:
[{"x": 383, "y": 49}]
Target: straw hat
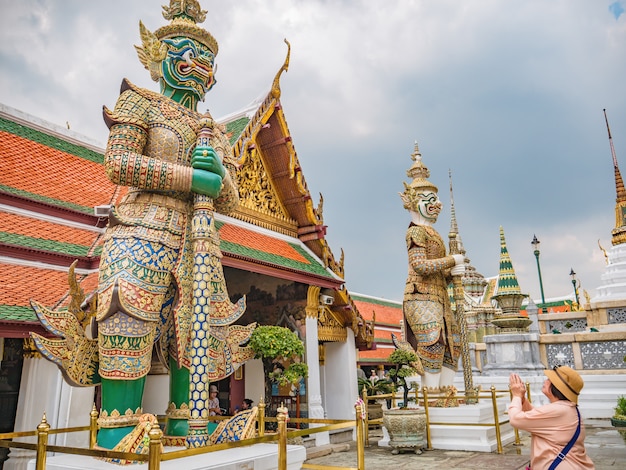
[
  {"x": 567, "y": 381},
  {"x": 212, "y": 388}
]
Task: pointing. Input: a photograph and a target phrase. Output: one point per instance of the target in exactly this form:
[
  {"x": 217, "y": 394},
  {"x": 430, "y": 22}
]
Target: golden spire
[{"x": 619, "y": 232}]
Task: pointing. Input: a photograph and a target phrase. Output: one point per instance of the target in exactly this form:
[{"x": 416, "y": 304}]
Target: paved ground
[{"x": 604, "y": 444}]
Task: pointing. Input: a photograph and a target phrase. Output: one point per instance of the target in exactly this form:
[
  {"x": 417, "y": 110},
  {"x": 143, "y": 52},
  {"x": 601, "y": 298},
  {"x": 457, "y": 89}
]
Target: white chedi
[{"x": 614, "y": 278}]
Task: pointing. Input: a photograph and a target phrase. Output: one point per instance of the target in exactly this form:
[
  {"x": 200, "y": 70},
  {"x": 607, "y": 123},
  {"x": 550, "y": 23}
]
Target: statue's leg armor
[
  {"x": 125, "y": 347},
  {"x": 116, "y": 394},
  {"x": 178, "y": 409},
  {"x": 425, "y": 318}
]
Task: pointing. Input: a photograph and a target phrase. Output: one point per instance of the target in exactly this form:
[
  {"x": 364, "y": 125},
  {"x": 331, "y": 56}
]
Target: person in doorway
[
  {"x": 556, "y": 429},
  {"x": 214, "y": 402},
  {"x": 373, "y": 377}
]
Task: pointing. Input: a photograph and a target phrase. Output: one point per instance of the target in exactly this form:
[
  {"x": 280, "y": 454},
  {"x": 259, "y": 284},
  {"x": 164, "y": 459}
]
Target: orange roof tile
[
  {"x": 256, "y": 241},
  {"x": 19, "y": 288},
  {"x": 36, "y": 168},
  {"x": 385, "y": 313},
  {"x": 22, "y": 225}
]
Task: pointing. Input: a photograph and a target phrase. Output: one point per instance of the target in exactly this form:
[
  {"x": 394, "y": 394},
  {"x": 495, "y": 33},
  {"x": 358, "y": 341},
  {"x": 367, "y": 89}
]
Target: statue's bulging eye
[{"x": 188, "y": 55}]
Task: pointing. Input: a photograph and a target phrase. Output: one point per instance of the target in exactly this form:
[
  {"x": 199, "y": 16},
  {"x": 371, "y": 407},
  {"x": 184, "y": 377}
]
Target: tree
[
  {"x": 276, "y": 346},
  {"x": 403, "y": 360}
]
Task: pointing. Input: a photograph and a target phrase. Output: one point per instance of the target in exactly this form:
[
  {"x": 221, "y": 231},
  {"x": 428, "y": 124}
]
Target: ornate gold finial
[
  {"x": 185, "y": 14},
  {"x": 189, "y": 8},
  {"x": 420, "y": 184},
  {"x": 284, "y": 68}
]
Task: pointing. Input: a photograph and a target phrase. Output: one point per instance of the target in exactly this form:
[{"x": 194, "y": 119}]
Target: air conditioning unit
[
  {"x": 327, "y": 299},
  {"x": 101, "y": 211}
]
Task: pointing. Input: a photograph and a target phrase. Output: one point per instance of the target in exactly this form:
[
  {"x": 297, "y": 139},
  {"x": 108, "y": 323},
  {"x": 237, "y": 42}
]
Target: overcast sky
[{"x": 507, "y": 95}]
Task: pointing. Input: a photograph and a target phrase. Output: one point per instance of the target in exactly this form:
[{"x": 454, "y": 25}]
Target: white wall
[
  {"x": 254, "y": 386},
  {"x": 43, "y": 390},
  {"x": 340, "y": 384}
]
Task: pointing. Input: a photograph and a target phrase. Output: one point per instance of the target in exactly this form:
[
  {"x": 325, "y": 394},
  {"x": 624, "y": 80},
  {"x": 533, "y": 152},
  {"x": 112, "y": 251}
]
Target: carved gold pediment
[
  {"x": 329, "y": 327},
  {"x": 258, "y": 199}
]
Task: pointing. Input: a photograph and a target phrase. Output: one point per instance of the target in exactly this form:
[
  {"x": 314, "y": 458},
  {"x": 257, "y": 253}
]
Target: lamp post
[
  {"x": 574, "y": 283},
  {"x": 535, "y": 244}
]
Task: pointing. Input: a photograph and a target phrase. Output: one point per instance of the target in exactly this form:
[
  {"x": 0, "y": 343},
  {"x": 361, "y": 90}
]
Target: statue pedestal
[
  {"x": 513, "y": 352},
  {"x": 255, "y": 457},
  {"x": 456, "y": 436}
]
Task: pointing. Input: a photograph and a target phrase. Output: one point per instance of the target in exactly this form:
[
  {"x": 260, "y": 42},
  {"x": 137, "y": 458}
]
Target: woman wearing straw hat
[
  {"x": 556, "y": 429},
  {"x": 214, "y": 402}
]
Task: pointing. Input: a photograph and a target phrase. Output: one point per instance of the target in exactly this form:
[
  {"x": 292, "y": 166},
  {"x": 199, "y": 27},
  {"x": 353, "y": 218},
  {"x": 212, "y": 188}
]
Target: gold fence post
[
  {"x": 42, "y": 443},
  {"x": 429, "y": 445},
  {"x": 93, "y": 426},
  {"x": 154, "y": 451},
  {"x": 281, "y": 417},
  {"x": 494, "y": 403},
  {"x": 361, "y": 420},
  {"x": 367, "y": 418},
  {"x": 261, "y": 417}
]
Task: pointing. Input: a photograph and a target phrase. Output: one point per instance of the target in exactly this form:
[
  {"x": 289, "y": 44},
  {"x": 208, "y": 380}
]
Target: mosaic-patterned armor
[
  {"x": 426, "y": 305},
  {"x": 147, "y": 251}
]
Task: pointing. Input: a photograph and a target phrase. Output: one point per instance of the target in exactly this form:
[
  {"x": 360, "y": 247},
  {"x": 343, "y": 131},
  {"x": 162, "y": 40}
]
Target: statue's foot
[{"x": 108, "y": 438}]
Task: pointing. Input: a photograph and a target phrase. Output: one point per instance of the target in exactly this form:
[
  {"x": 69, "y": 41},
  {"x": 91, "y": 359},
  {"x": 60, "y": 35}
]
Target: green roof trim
[
  {"x": 47, "y": 245},
  {"x": 386, "y": 303},
  {"x": 392, "y": 325},
  {"x": 49, "y": 141},
  {"x": 15, "y": 313},
  {"x": 373, "y": 360},
  {"x": 235, "y": 128},
  {"x": 46, "y": 200},
  {"x": 383, "y": 341},
  {"x": 555, "y": 303}
]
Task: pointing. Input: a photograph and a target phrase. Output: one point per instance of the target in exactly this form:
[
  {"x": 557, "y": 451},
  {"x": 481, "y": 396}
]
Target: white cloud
[{"x": 509, "y": 95}]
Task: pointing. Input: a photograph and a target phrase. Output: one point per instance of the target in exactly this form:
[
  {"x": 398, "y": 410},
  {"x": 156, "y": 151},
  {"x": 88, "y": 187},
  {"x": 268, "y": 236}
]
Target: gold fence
[
  {"x": 155, "y": 455},
  {"x": 421, "y": 398}
]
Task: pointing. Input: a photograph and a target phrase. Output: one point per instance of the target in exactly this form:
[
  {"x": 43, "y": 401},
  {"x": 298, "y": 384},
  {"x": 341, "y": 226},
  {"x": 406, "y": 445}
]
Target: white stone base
[
  {"x": 456, "y": 436},
  {"x": 255, "y": 457},
  {"x": 472, "y": 438}
]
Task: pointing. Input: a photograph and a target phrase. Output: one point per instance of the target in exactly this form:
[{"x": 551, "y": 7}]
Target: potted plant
[
  {"x": 379, "y": 387},
  {"x": 406, "y": 425},
  {"x": 619, "y": 418},
  {"x": 281, "y": 352}
]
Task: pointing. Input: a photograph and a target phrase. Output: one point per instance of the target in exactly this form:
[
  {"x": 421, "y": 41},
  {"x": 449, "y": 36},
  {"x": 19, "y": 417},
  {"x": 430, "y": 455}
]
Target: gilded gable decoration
[{"x": 329, "y": 327}]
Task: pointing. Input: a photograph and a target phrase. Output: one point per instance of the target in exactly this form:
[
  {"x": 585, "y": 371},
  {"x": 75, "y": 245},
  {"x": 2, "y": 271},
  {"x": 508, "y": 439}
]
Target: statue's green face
[
  {"x": 429, "y": 206},
  {"x": 188, "y": 66}
]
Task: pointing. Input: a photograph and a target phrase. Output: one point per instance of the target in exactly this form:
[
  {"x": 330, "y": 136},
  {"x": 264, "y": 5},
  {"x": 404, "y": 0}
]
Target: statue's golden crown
[
  {"x": 420, "y": 184},
  {"x": 184, "y": 16}
]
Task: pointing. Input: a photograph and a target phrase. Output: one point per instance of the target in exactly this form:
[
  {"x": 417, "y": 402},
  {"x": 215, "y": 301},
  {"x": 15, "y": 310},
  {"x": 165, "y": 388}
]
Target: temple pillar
[{"x": 314, "y": 390}]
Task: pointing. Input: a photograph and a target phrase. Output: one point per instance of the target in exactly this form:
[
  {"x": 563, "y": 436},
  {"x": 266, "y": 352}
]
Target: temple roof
[
  {"x": 386, "y": 316},
  {"x": 49, "y": 186}
]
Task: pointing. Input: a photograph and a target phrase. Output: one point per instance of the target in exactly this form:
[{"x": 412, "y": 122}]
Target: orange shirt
[{"x": 551, "y": 427}]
